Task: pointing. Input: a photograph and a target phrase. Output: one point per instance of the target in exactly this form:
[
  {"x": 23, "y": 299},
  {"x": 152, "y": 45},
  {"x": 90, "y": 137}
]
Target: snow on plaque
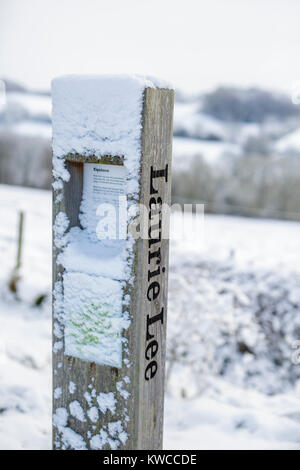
[
  {"x": 94, "y": 260},
  {"x": 93, "y": 318}
]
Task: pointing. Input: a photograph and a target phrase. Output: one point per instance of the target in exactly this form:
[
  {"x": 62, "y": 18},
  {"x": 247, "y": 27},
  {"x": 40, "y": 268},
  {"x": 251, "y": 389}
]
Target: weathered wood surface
[{"x": 141, "y": 413}]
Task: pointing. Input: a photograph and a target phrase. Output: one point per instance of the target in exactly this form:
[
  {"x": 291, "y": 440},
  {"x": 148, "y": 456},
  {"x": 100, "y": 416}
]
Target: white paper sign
[
  {"x": 104, "y": 182},
  {"x": 104, "y": 190}
]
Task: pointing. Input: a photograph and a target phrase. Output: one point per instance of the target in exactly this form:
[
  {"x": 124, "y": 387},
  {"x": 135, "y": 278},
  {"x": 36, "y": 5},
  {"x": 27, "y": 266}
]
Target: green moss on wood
[{"x": 105, "y": 159}]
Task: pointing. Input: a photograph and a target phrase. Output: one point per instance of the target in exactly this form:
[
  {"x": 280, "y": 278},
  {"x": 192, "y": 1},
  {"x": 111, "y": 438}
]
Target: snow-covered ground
[
  {"x": 289, "y": 142},
  {"x": 218, "y": 398},
  {"x": 186, "y": 149}
]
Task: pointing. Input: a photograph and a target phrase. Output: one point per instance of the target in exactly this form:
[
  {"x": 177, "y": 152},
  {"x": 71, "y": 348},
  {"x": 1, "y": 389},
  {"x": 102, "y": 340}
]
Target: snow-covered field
[
  {"x": 234, "y": 305},
  {"x": 186, "y": 149}
]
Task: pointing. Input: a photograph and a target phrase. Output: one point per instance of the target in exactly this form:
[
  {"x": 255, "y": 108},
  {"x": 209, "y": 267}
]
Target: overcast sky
[{"x": 197, "y": 44}]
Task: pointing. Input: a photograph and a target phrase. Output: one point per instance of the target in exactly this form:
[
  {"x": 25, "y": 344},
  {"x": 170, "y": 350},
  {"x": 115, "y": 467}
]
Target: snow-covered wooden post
[{"x": 112, "y": 140}]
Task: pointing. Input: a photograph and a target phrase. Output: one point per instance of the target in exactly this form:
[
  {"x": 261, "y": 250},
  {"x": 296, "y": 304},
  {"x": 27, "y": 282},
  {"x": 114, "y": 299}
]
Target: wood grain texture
[{"x": 141, "y": 413}]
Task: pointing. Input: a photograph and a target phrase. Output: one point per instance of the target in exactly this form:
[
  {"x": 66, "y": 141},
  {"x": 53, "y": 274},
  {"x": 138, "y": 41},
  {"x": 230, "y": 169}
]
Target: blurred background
[{"x": 234, "y": 325}]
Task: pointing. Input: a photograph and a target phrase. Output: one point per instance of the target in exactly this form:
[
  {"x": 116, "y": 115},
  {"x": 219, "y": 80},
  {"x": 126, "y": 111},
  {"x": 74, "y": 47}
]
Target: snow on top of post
[{"x": 99, "y": 115}]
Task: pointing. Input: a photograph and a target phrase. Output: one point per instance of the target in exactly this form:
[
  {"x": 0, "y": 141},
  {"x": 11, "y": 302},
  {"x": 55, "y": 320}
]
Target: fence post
[
  {"x": 111, "y": 142},
  {"x": 20, "y": 240}
]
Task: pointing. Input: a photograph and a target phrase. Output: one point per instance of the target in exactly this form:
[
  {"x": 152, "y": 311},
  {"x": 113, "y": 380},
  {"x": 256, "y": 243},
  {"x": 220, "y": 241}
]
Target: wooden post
[
  {"x": 20, "y": 240},
  {"x": 15, "y": 276},
  {"x": 99, "y": 403}
]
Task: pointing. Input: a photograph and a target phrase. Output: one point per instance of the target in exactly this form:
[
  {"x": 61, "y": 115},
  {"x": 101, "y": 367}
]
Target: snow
[
  {"x": 253, "y": 242},
  {"x": 26, "y": 115},
  {"x": 72, "y": 440},
  {"x": 124, "y": 393},
  {"x": 100, "y": 440},
  {"x": 93, "y": 414},
  {"x": 93, "y": 258},
  {"x": 60, "y": 226},
  {"x": 248, "y": 295},
  {"x": 289, "y": 142},
  {"x": 72, "y": 387},
  {"x": 213, "y": 285},
  {"x": 93, "y": 321},
  {"x": 227, "y": 418},
  {"x": 60, "y": 417},
  {"x": 116, "y": 430},
  {"x": 96, "y": 443},
  {"x": 107, "y": 402},
  {"x": 185, "y": 149},
  {"x": 192, "y": 122},
  {"x": 31, "y": 129},
  {"x": 77, "y": 411},
  {"x": 100, "y": 115},
  {"x": 35, "y": 105},
  {"x": 57, "y": 393}
]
